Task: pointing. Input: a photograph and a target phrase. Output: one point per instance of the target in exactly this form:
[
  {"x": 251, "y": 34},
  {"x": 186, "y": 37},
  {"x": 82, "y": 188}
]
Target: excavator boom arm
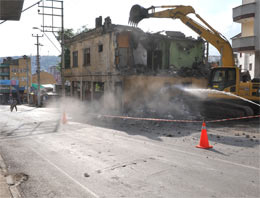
[{"x": 138, "y": 13}]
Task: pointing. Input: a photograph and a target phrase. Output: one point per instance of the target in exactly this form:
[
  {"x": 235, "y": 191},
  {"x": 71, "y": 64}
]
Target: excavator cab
[{"x": 222, "y": 78}]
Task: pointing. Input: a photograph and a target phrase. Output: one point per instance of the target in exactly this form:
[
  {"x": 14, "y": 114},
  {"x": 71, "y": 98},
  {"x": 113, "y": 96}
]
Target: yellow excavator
[{"x": 226, "y": 77}]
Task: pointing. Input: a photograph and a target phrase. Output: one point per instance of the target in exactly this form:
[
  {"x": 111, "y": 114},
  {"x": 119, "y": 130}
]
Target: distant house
[{"x": 45, "y": 78}]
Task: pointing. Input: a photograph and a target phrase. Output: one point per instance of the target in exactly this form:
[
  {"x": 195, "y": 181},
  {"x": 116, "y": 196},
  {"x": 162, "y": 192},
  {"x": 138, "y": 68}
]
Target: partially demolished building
[{"x": 130, "y": 64}]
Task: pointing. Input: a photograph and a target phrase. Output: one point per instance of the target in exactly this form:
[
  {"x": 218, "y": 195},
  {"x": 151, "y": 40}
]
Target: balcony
[
  {"x": 4, "y": 65},
  {"x": 240, "y": 44},
  {"x": 244, "y": 12},
  {"x": 4, "y": 73}
]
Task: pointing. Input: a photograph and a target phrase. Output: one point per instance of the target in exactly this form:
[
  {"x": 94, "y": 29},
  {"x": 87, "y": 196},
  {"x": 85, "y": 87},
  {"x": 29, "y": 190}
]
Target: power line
[{"x": 51, "y": 42}]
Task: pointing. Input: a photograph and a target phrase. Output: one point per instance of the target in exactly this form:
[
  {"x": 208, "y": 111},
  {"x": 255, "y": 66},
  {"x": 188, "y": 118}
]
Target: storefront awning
[{"x": 35, "y": 86}]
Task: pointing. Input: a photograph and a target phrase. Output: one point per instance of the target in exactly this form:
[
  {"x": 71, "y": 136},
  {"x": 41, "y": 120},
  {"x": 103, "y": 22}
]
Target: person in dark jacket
[{"x": 13, "y": 103}]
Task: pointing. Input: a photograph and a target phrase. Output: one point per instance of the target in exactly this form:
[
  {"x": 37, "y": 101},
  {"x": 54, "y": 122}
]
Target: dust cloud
[{"x": 167, "y": 102}]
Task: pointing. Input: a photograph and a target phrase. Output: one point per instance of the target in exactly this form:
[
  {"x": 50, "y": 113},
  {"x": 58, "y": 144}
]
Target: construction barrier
[{"x": 168, "y": 120}]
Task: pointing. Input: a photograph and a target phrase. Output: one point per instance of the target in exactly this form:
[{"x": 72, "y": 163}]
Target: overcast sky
[{"x": 16, "y": 36}]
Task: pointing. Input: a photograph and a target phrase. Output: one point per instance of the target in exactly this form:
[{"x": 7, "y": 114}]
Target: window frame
[
  {"x": 75, "y": 62},
  {"x": 100, "y": 47},
  {"x": 86, "y": 57}
]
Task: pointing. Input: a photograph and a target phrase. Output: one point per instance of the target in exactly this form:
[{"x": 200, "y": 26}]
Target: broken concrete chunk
[
  {"x": 86, "y": 175},
  {"x": 10, "y": 180}
]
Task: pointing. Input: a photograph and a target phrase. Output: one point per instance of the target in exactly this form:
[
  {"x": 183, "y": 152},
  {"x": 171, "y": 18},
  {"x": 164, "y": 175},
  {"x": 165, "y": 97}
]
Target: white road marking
[{"x": 62, "y": 171}]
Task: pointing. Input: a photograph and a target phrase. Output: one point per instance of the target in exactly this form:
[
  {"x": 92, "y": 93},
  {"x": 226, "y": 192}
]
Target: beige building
[
  {"x": 120, "y": 65},
  {"x": 45, "y": 78},
  {"x": 247, "y": 43},
  {"x": 18, "y": 71}
]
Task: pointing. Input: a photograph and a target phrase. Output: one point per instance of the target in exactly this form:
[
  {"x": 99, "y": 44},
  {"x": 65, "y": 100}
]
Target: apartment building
[
  {"x": 247, "y": 43},
  {"x": 13, "y": 78},
  {"x": 128, "y": 64}
]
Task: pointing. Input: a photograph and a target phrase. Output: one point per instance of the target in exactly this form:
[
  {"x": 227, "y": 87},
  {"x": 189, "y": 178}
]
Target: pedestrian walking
[{"x": 13, "y": 103}]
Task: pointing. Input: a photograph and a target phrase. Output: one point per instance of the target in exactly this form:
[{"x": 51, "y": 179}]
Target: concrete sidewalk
[{"x": 4, "y": 188}]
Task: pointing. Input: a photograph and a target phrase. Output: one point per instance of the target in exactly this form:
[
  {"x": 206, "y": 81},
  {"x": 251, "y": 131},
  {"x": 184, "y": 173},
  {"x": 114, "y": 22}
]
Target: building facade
[
  {"x": 45, "y": 78},
  {"x": 247, "y": 43},
  {"x": 15, "y": 76},
  {"x": 126, "y": 63}
]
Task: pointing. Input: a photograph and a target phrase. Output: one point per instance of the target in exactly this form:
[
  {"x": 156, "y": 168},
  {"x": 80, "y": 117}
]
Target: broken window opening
[
  {"x": 154, "y": 60},
  {"x": 100, "y": 48},
  {"x": 98, "y": 91},
  {"x": 76, "y": 89},
  {"x": 86, "y": 90},
  {"x": 123, "y": 56}
]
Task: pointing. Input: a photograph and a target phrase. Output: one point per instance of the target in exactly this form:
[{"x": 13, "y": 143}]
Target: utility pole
[
  {"x": 62, "y": 53},
  {"x": 27, "y": 78},
  {"x": 38, "y": 70}
]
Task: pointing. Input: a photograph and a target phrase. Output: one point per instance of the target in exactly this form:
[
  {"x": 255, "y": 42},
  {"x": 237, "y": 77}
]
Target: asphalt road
[{"x": 127, "y": 159}]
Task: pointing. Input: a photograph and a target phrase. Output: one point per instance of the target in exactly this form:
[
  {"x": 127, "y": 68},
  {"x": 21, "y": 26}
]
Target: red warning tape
[
  {"x": 239, "y": 118},
  {"x": 167, "y": 120}
]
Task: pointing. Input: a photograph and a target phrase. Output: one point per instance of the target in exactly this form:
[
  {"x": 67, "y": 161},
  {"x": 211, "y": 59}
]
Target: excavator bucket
[{"x": 137, "y": 13}]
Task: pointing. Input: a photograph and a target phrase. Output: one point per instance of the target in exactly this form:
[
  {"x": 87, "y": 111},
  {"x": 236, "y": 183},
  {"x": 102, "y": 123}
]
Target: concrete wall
[
  {"x": 140, "y": 55},
  {"x": 99, "y": 61},
  {"x": 185, "y": 53},
  {"x": 248, "y": 29},
  {"x": 244, "y": 62}
]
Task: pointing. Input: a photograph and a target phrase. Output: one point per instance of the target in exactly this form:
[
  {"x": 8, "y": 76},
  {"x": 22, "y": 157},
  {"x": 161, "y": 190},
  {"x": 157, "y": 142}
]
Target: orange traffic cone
[
  {"x": 204, "y": 142},
  {"x": 64, "y": 118}
]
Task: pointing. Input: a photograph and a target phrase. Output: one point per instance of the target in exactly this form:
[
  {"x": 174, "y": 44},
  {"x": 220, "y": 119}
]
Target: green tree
[{"x": 82, "y": 29}]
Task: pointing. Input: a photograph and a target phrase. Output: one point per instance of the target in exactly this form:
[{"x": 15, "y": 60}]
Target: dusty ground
[{"x": 94, "y": 156}]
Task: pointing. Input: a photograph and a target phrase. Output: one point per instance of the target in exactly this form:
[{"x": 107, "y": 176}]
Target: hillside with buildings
[{"x": 45, "y": 62}]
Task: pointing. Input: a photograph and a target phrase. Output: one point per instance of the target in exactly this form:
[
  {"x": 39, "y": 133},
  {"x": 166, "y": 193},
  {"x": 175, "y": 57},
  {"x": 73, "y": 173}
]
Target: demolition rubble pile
[{"x": 168, "y": 103}]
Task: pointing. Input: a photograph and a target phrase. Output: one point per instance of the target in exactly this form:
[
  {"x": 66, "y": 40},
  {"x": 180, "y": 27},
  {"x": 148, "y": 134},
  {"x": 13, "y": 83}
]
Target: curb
[{"x": 7, "y": 190}]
